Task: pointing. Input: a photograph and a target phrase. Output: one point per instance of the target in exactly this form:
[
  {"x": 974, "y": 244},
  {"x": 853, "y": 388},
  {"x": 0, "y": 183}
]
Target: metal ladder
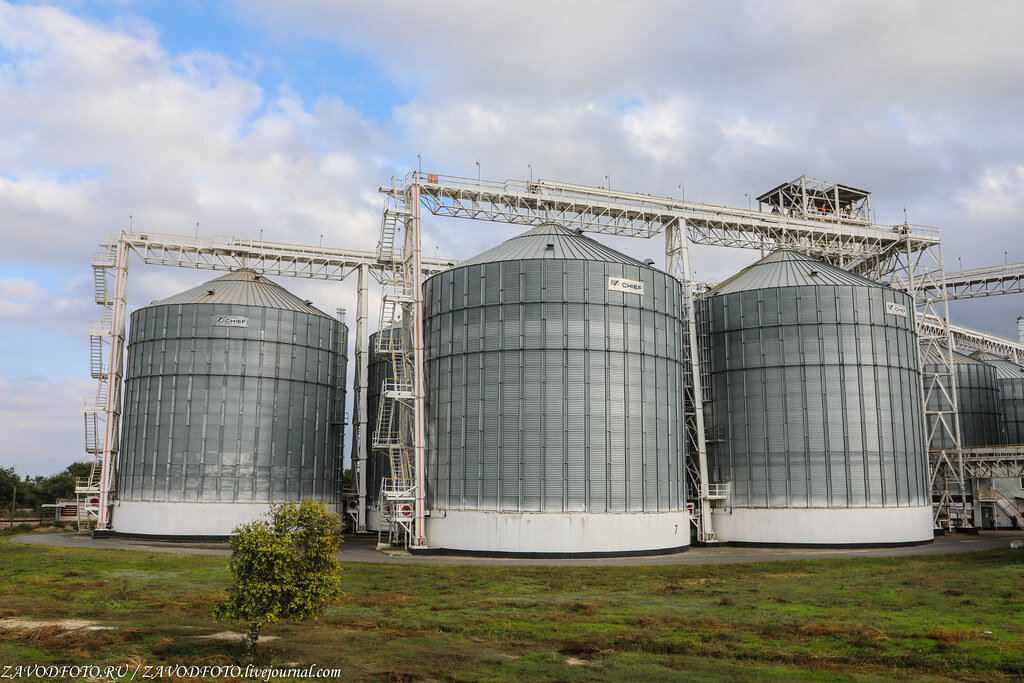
[
  {"x": 95, "y": 409},
  {"x": 699, "y": 349},
  {"x": 397, "y": 495}
]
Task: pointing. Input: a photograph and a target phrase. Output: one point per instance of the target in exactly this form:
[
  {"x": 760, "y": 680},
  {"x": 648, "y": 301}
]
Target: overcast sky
[{"x": 285, "y": 117}]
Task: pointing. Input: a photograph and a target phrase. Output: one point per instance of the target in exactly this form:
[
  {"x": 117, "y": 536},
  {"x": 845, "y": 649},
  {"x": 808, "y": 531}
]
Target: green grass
[{"x": 932, "y": 617}]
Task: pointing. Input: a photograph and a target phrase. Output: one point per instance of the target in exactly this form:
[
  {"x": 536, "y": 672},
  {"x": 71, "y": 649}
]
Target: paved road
[{"x": 363, "y": 549}]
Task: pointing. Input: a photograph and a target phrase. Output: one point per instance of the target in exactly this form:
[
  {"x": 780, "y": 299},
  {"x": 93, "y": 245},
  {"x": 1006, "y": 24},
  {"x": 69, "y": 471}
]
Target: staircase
[
  {"x": 102, "y": 410},
  {"x": 393, "y": 436},
  {"x": 1004, "y": 503}
]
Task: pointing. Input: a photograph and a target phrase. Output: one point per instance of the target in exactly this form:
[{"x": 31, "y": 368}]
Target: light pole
[
  {"x": 530, "y": 166},
  {"x": 682, "y": 192},
  {"x": 747, "y": 195},
  {"x": 607, "y": 182},
  {"x": 419, "y": 165},
  {"x": 478, "y": 170}
]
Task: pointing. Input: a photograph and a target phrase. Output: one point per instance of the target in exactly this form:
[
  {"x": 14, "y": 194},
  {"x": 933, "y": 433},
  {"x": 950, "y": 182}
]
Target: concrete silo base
[
  {"x": 558, "y": 534},
  {"x": 823, "y": 526},
  {"x": 177, "y": 519}
]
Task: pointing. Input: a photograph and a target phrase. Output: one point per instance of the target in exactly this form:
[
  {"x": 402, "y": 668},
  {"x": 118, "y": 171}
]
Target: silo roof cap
[
  {"x": 1005, "y": 368},
  {"x": 552, "y": 241},
  {"x": 788, "y": 268},
  {"x": 244, "y": 287}
]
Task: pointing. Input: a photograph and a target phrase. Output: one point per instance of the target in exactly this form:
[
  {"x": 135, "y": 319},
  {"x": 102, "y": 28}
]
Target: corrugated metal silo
[
  {"x": 1010, "y": 380},
  {"x": 980, "y": 412},
  {"x": 815, "y": 417},
  {"x": 555, "y": 401},
  {"x": 234, "y": 398}
]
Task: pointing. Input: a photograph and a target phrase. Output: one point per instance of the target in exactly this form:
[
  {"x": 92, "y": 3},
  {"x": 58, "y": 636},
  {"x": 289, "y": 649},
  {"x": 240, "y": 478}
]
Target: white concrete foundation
[
  {"x": 848, "y": 526},
  {"x": 183, "y": 519},
  {"x": 488, "y": 531}
]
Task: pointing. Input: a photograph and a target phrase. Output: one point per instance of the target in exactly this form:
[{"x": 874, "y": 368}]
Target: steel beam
[
  {"x": 982, "y": 282},
  {"x": 596, "y": 209},
  {"x": 970, "y": 339},
  {"x": 270, "y": 258}
]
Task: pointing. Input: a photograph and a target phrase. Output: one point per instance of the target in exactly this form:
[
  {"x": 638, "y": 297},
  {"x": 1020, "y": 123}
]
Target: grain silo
[
  {"x": 977, "y": 395},
  {"x": 234, "y": 399},
  {"x": 815, "y": 415},
  {"x": 1010, "y": 381},
  {"x": 554, "y": 377}
]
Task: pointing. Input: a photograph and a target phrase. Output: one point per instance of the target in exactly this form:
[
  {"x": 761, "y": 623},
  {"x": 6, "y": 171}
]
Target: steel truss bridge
[{"x": 908, "y": 256}]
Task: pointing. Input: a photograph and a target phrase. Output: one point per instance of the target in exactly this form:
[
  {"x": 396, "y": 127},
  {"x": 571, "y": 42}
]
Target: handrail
[{"x": 433, "y": 182}]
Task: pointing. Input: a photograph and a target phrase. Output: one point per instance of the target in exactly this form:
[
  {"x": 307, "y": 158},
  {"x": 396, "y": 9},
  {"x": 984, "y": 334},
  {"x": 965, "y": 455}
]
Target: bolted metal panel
[
  {"x": 1010, "y": 381},
  {"x": 1011, "y": 394},
  {"x": 549, "y": 389},
  {"x": 227, "y": 402},
  {"x": 980, "y": 416},
  {"x": 816, "y": 398}
]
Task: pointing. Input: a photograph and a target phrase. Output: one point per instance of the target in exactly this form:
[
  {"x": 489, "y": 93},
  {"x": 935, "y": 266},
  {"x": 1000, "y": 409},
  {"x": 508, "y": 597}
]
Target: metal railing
[{"x": 719, "y": 491}]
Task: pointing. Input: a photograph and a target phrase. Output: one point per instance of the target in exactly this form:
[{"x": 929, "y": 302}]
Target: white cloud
[
  {"x": 105, "y": 123},
  {"x": 27, "y": 306},
  {"x": 42, "y": 423},
  {"x": 997, "y": 195},
  {"x": 17, "y": 288}
]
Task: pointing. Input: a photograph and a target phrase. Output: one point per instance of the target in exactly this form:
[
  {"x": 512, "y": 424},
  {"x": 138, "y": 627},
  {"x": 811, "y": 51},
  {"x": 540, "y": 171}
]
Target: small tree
[
  {"x": 283, "y": 568},
  {"x": 9, "y": 483}
]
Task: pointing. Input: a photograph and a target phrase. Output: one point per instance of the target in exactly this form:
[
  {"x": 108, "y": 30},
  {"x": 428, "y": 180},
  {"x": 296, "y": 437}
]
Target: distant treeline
[{"x": 32, "y": 493}]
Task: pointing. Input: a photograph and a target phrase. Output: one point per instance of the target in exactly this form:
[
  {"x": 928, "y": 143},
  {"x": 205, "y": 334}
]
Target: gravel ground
[{"x": 363, "y": 549}]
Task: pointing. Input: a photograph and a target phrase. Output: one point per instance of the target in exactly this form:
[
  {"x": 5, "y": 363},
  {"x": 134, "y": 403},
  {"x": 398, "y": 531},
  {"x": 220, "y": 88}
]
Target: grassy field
[{"x": 935, "y": 617}]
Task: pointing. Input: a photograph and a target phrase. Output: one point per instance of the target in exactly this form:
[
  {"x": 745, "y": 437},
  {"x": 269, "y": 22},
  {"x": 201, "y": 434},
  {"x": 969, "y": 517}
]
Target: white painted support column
[
  {"x": 419, "y": 435},
  {"x": 361, "y": 452},
  {"x": 115, "y": 377}
]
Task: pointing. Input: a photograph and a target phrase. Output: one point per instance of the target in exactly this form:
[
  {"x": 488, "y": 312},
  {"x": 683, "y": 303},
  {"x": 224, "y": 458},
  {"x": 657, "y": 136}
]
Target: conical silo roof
[
  {"x": 244, "y": 287},
  {"x": 788, "y": 268},
  {"x": 935, "y": 356},
  {"x": 551, "y": 241},
  {"x": 1005, "y": 368}
]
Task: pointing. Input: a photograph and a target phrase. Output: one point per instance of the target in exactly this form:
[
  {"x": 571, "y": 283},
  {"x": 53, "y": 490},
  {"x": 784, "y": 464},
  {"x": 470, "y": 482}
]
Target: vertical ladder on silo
[{"x": 714, "y": 431}]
